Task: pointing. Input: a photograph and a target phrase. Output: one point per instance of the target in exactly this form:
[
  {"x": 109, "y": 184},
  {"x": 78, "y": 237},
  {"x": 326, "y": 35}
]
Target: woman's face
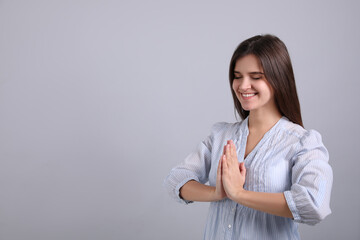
[{"x": 250, "y": 85}]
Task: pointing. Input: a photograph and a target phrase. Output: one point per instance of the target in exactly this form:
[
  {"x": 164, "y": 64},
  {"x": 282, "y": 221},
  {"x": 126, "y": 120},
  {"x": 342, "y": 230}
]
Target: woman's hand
[
  {"x": 233, "y": 173},
  {"x": 219, "y": 189}
]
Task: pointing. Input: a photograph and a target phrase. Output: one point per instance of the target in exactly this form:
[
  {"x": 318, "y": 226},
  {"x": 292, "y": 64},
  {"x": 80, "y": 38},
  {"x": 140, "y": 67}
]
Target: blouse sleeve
[
  {"x": 196, "y": 166},
  {"x": 312, "y": 176}
]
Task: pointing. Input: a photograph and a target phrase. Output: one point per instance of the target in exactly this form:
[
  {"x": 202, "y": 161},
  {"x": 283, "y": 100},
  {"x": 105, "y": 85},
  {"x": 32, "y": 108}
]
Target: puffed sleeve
[
  {"x": 196, "y": 166},
  {"x": 312, "y": 177}
]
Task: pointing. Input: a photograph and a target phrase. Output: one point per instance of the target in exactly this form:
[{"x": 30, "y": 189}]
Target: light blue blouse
[{"x": 287, "y": 159}]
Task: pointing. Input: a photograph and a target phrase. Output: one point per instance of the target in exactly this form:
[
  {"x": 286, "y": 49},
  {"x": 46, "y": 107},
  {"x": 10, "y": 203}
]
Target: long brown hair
[{"x": 276, "y": 63}]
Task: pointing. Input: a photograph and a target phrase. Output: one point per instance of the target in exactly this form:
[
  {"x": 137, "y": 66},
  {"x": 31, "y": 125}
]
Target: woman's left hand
[{"x": 233, "y": 172}]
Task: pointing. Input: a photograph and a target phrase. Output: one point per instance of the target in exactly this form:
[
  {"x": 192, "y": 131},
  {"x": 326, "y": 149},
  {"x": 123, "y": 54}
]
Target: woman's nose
[{"x": 244, "y": 84}]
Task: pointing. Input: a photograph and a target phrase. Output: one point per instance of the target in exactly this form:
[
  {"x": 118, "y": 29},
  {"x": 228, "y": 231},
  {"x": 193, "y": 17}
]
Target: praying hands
[{"x": 230, "y": 174}]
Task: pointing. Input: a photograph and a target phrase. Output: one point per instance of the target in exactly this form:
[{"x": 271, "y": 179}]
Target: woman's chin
[{"x": 246, "y": 108}]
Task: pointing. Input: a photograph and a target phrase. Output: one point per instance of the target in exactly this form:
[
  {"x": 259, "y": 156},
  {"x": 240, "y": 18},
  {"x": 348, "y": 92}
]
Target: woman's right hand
[{"x": 219, "y": 189}]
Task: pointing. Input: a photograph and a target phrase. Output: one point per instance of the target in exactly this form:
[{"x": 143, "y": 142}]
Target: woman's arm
[
  {"x": 233, "y": 176},
  {"x": 273, "y": 203},
  {"x": 312, "y": 177},
  {"x": 195, "y": 191}
]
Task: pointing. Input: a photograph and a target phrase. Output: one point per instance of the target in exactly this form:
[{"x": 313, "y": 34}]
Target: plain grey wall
[{"x": 100, "y": 99}]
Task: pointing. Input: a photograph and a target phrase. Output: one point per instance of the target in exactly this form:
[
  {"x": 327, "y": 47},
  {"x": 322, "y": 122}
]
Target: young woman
[{"x": 265, "y": 173}]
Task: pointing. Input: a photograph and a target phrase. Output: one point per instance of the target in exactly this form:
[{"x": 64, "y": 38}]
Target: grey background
[{"x": 100, "y": 99}]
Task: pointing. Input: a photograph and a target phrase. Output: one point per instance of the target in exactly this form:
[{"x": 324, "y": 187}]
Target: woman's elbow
[{"x": 315, "y": 216}]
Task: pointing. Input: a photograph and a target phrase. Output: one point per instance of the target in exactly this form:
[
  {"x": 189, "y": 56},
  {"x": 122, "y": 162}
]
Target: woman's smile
[{"x": 248, "y": 96}]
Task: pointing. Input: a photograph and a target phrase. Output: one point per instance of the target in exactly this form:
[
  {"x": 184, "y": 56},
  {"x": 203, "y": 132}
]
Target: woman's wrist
[
  {"x": 216, "y": 196},
  {"x": 239, "y": 196}
]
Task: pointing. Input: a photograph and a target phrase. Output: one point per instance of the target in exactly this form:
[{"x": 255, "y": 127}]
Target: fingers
[
  {"x": 228, "y": 152},
  {"x": 224, "y": 164},
  {"x": 242, "y": 168},
  {"x": 233, "y": 149},
  {"x": 222, "y": 157},
  {"x": 219, "y": 168},
  {"x": 229, "y": 157}
]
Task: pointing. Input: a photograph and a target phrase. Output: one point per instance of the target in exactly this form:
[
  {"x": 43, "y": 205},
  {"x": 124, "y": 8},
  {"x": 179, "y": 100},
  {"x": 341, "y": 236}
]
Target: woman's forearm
[
  {"x": 195, "y": 191},
  {"x": 273, "y": 203}
]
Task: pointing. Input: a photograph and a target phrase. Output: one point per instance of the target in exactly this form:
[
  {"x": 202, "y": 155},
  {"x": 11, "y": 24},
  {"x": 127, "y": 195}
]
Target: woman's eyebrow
[
  {"x": 256, "y": 73},
  {"x": 250, "y": 72}
]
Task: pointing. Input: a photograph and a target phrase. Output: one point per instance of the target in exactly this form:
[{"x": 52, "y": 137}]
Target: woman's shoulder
[
  {"x": 220, "y": 126},
  {"x": 300, "y": 133},
  {"x": 226, "y": 127}
]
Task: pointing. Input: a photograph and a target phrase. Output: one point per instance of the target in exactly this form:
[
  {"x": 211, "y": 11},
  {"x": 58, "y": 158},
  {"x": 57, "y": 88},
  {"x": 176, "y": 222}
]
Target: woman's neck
[{"x": 262, "y": 121}]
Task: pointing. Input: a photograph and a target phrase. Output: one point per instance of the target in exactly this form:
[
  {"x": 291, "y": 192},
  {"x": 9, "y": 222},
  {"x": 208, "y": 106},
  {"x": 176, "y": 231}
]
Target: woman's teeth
[{"x": 248, "y": 94}]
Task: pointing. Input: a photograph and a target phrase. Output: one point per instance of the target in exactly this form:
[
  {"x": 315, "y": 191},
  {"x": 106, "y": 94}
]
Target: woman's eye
[
  {"x": 237, "y": 77},
  {"x": 256, "y": 78}
]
